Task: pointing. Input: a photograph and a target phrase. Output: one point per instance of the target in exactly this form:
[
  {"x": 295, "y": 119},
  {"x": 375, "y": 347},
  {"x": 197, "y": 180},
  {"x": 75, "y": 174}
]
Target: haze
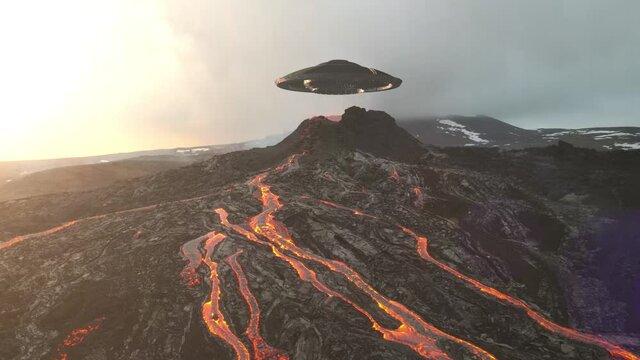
[{"x": 85, "y": 77}]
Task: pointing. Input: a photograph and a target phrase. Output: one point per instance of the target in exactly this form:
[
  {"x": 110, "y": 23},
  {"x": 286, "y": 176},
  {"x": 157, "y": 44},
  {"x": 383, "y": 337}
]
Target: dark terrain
[{"x": 378, "y": 247}]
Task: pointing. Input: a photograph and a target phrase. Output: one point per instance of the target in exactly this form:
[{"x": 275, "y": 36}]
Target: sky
[{"x": 88, "y": 77}]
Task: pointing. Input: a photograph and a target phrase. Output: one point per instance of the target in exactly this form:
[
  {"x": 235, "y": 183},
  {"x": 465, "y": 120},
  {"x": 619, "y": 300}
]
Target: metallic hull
[{"x": 338, "y": 77}]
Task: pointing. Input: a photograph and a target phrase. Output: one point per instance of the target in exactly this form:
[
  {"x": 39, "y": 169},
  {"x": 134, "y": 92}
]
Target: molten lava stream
[
  {"x": 261, "y": 350},
  {"x": 192, "y": 254},
  {"x": 615, "y": 351},
  {"x": 57, "y": 229},
  {"x": 22, "y": 238},
  {"x": 428, "y": 346},
  {"x": 413, "y": 331},
  {"x": 211, "y": 313},
  {"x": 77, "y": 337}
]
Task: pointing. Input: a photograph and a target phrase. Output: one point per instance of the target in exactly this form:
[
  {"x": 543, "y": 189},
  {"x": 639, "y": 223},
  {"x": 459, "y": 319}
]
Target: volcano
[{"x": 348, "y": 239}]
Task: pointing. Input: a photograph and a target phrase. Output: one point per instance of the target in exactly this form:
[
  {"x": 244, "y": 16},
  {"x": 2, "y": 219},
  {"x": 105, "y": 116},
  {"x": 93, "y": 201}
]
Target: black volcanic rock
[
  {"x": 374, "y": 132},
  {"x": 533, "y": 224}
]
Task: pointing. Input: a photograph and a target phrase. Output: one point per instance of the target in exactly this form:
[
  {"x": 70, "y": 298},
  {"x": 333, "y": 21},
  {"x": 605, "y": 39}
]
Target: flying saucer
[{"x": 338, "y": 77}]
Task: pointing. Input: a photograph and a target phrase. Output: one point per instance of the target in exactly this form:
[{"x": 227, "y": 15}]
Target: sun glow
[{"x": 77, "y": 72}]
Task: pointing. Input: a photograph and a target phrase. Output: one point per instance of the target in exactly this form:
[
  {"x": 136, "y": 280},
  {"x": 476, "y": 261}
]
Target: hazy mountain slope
[
  {"x": 485, "y": 131},
  {"x": 86, "y": 177},
  {"x": 13, "y": 170},
  {"x": 345, "y": 240}
]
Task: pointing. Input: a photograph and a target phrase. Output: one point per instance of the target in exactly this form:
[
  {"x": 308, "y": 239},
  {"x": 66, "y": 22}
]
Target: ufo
[{"x": 338, "y": 77}]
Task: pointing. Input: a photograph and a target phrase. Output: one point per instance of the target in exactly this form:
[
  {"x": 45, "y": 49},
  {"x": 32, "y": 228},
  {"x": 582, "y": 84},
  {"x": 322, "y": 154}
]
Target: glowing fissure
[
  {"x": 615, "y": 351},
  {"x": 394, "y": 175},
  {"x": 22, "y": 238},
  {"x": 261, "y": 350},
  {"x": 413, "y": 332},
  {"x": 77, "y": 337},
  {"x": 353, "y": 211},
  {"x": 419, "y": 202},
  {"x": 211, "y": 313}
]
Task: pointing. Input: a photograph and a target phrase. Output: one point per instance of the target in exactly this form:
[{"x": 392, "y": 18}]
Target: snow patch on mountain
[
  {"x": 192, "y": 151},
  {"x": 628, "y": 146},
  {"x": 599, "y": 134},
  {"x": 453, "y": 127},
  {"x": 612, "y": 134}
]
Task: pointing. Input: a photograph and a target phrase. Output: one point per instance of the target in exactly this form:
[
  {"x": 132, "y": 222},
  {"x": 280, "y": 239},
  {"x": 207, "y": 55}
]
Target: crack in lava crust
[{"x": 77, "y": 337}]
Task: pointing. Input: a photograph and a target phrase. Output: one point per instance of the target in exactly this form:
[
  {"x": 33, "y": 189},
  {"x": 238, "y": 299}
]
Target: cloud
[{"x": 543, "y": 63}]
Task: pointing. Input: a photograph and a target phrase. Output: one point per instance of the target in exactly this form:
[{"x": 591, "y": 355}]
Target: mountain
[
  {"x": 87, "y": 177},
  {"x": 486, "y": 131},
  {"x": 13, "y": 170},
  {"x": 348, "y": 239},
  {"x": 22, "y": 179}
]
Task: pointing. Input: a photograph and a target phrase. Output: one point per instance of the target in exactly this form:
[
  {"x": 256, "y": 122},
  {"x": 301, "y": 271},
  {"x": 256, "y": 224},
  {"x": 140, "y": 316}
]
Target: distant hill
[
  {"x": 484, "y": 131},
  {"x": 12, "y": 171},
  {"x": 22, "y": 179},
  {"x": 84, "y": 177}
]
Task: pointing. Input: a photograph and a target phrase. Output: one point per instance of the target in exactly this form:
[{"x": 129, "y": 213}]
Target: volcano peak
[{"x": 370, "y": 131}]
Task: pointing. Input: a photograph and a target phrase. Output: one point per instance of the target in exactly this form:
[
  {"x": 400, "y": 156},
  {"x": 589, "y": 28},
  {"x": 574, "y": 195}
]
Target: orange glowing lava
[
  {"x": 77, "y": 337},
  {"x": 57, "y": 229},
  {"x": 22, "y": 238},
  {"x": 211, "y": 313},
  {"x": 615, "y": 351},
  {"x": 413, "y": 332},
  {"x": 190, "y": 251},
  {"x": 261, "y": 350},
  {"x": 395, "y": 176},
  {"x": 353, "y": 211},
  {"x": 419, "y": 202}
]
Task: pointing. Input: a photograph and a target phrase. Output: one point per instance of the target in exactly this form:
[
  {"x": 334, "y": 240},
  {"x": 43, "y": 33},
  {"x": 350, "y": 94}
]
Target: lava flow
[
  {"x": 428, "y": 348},
  {"x": 615, "y": 351},
  {"x": 413, "y": 331},
  {"x": 399, "y": 335},
  {"x": 211, "y": 313},
  {"x": 22, "y": 238},
  {"x": 77, "y": 337},
  {"x": 395, "y": 176},
  {"x": 261, "y": 350},
  {"x": 192, "y": 254},
  {"x": 69, "y": 224}
]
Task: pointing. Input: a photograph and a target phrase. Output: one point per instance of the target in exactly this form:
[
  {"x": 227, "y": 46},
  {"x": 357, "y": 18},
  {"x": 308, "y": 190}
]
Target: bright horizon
[{"x": 91, "y": 77}]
